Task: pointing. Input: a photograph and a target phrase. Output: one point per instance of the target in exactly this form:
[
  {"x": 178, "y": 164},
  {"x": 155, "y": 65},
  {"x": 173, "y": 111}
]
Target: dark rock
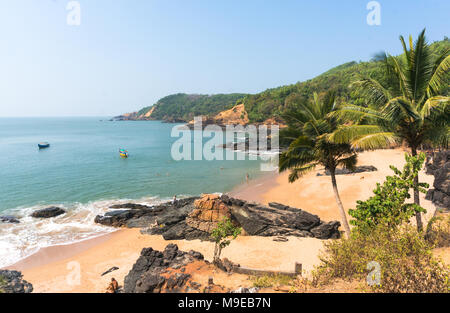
[
  {"x": 438, "y": 164},
  {"x": 280, "y": 239},
  {"x": 344, "y": 171},
  {"x": 112, "y": 269},
  {"x": 9, "y": 219},
  {"x": 115, "y": 218},
  {"x": 148, "y": 283},
  {"x": 13, "y": 282},
  {"x": 171, "y": 219},
  {"x": 48, "y": 212},
  {"x": 327, "y": 230},
  {"x": 131, "y": 206}
]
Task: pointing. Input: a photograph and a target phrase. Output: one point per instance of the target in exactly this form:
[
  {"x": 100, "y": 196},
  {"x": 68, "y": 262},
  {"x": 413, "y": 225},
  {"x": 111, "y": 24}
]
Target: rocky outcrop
[
  {"x": 208, "y": 212},
  {"x": 12, "y": 282},
  {"x": 152, "y": 271},
  {"x": 439, "y": 166},
  {"x": 194, "y": 218},
  {"x": 9, "y": 219},
  {"x": 344, "y": 171},
  {"x": 48, "y": 212}
]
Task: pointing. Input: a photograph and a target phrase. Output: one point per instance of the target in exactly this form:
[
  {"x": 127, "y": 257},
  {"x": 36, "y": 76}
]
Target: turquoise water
[
  {"x": 83, "y": 173},
  {"x": 83, "y": 164}
]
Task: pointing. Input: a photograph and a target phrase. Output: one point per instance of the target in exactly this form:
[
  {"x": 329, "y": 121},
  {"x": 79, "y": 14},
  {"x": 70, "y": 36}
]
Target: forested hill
[
  {"x": 271, "y": 102},
  {"x": 183, "y": 107}
]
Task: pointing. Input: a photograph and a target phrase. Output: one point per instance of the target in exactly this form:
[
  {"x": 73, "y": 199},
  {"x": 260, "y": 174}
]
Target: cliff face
[{"x": 236, "y": 115}]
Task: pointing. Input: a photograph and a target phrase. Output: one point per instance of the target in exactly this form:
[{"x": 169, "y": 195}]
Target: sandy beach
[{"x": 78, "y": 267}]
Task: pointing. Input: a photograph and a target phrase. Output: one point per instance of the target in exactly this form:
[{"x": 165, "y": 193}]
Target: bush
[
  {"x": 222, "y": 235},
  {"x": 266, "y": 281},
  {"x": 438, "y": 231},
  {"x": 404, "y": 255},
  {"x": 3, "y": 283},
  {"x": 388, "y": 204}
]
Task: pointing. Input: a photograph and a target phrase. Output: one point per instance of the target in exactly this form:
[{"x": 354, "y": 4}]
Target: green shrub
[
  {"x": 266, "y": 281},
  {"x": 404, "y": 255},
  {"x": 2, "y": 284},
  {"x": 438, "y": 231},
  {"x": 388, "y": 204},
  {"x": 222, "y": 236}
]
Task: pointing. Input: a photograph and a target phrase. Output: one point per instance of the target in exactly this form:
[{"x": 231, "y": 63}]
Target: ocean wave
[{"x": 18, "y": 241}]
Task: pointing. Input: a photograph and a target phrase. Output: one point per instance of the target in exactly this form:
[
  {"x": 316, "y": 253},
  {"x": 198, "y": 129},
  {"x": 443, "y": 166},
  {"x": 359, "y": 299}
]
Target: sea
[{"x": 83, "y": 173}]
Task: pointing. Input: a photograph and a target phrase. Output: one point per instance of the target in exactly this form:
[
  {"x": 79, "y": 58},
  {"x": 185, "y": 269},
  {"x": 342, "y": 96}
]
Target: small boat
[
  {"x": 123, "y": 153},
  {"x": 43, "y": 145}
]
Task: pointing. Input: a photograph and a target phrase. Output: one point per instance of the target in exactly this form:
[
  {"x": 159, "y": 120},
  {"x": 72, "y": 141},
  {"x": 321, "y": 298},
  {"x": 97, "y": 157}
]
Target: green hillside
[
  {"x": 184, "y": 107},
  {"x": 271, "y": 102}
]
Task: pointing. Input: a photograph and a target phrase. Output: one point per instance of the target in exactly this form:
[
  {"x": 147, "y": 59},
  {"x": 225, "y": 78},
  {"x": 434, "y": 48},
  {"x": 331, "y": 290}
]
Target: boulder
[
  {"x": 438, "y": 164},
  {"x": 327, "y": 230},
  {"x": 48, "y": 212},
  {"x": 209, "y": 211},
  {"x": 150, "y": 272},
  {"x": 195, "y": 218},
  {"x": 13, "y": 282},
  {"x": 9, "y": 219}
]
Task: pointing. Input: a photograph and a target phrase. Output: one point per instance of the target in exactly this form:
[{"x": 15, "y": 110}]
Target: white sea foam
[{"x": 18, "y": 241}]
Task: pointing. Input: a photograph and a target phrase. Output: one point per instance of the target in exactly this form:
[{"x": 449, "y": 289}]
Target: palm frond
[
  {"x": 349, "y": 162},
  {"x": 420, "y": 68},
  {"x": 355, "y": 113},
  {"x": 347, "y": 134},
  {"x": 400, "y": 109},
  {"x": 373, "y": 90},
  {"x": 440, "y": 72},
  {"x": 374, "y": 141},
  {"x": 435, "y": 105},
  {"x": 298, "y": 172}
]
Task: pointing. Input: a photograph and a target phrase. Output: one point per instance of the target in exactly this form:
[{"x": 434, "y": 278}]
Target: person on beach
[
  {"x": 113, "y": 286},
  {"x": 247, "y": 177},
  {"x": 174, "y": 200}
]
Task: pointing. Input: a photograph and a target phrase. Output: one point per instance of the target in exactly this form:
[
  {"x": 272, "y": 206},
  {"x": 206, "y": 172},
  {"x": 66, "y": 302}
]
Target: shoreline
[{"x": 48, "y": 269}]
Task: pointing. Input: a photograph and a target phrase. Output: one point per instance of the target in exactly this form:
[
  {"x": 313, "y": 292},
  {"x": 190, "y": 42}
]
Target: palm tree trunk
[
  {"x": 339, "y": 203},
  {"x": 416, "y": 195}
]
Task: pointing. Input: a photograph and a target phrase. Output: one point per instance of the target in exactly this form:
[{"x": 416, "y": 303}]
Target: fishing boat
[
  {"x": 123, "y": 153},
  {"x": 43, "y": 145}
]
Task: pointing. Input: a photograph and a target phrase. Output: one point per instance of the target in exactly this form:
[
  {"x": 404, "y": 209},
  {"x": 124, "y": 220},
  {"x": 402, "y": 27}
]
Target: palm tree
[
  {"x": 309, "y": 125},
  {"x": 407, "y": 109}
]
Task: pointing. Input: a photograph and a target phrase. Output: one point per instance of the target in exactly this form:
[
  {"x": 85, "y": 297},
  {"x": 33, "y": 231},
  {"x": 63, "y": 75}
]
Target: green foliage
[
  {"x": 388, "y": 204},
  {"x": 223, "y": 234},
  {"x": 2, "y": 284},
  {"x": 273, "y": 102},
  {"x": 184, "y": 107},
  {"x": 267, "y": 281},
  {"x": 410, "y": 103},
  {"x": 438, "y": 231},
  {"x": 404, "y": 255},
  {"x": 306, "y": 137}
]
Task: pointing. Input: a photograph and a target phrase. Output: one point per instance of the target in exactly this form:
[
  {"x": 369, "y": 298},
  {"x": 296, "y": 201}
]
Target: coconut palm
[
  {"x": 306, "y": 137},
  {"x": 407, "y": 109}
]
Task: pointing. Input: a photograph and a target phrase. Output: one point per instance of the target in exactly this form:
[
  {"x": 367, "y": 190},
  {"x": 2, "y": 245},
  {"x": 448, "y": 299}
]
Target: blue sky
[{"x": 127, "y": 54}]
